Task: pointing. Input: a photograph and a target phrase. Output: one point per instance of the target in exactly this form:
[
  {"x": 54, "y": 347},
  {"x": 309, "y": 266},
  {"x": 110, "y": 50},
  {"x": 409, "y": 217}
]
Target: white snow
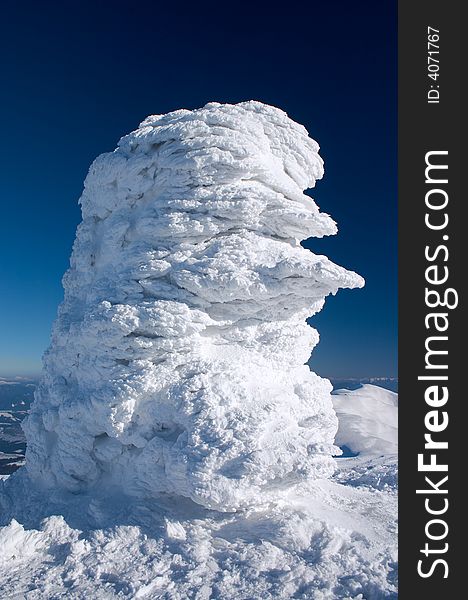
[
  {"x": 178, "y": 445},
  {"x": 177, "y": 361},
  {"x": 368, "y": 420},
  {"x": 334, "y": 542}
]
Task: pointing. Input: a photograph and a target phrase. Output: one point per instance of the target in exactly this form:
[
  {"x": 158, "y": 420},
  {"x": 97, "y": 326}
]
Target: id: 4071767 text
[{"x": 433, "y": 67}]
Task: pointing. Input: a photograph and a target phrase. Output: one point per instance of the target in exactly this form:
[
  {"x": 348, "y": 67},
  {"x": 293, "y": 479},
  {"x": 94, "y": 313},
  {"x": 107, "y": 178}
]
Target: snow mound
[
  {"x": 177, "y": 361},
  {"x": 368, "y": 420}
]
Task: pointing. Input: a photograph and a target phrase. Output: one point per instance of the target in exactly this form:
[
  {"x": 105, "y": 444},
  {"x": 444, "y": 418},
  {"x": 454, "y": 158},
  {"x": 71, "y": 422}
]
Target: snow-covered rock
[
  {"x": 368, "y": 420},
  {"x": 176, "y": 383},
  {"x": 177, "y": 362}
]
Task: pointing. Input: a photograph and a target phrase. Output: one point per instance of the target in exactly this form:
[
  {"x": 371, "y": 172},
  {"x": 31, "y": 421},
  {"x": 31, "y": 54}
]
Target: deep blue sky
[{"x": 76, "y": 76}]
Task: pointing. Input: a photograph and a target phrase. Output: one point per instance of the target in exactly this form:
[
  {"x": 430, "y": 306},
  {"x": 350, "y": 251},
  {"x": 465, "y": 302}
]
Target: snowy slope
[{"x": 368, "y": 420}]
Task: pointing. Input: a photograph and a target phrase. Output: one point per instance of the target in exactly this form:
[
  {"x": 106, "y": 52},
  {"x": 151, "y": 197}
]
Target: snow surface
[
  {"x": 368, "y": 420},
  {"x": 178, "y": 446},
  {"x": 335, "y": 541}
]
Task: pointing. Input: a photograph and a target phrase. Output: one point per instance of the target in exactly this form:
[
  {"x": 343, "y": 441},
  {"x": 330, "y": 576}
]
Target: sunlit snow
[{"x": 179, "y": 446}]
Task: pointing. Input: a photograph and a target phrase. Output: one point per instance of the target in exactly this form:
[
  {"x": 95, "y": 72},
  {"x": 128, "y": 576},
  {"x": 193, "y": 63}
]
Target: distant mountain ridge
[
  {"x": 16, "y": 392},
  {"x": 389, "y": 383}
]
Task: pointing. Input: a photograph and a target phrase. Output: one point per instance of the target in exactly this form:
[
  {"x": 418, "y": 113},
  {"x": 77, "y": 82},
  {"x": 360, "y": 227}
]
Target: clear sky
[{"x": 76, "y": 76}]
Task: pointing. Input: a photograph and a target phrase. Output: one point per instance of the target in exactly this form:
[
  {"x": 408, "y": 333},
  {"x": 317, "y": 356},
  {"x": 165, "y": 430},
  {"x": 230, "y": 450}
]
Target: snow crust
[
  {"x": 368, "y": 420},
  {"x": 177, "y": 361}
]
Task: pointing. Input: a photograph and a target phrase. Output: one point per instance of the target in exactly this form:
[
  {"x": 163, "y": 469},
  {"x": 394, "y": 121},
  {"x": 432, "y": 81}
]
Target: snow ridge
[{"x": 177, "y": 361}]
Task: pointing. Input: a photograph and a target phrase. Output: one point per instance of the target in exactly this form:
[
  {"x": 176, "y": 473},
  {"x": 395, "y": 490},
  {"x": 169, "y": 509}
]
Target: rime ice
[{"x": 177, "y": 362}]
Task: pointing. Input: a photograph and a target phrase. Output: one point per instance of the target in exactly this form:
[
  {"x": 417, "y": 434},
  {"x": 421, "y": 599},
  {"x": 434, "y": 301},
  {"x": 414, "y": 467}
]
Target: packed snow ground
[{"x": 338, "y": 541}]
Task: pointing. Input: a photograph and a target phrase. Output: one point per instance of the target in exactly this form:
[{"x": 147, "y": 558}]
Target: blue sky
[{"x": 76, "y": 76}]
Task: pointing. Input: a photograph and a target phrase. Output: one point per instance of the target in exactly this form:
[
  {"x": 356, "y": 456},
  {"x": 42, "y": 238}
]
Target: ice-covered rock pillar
[{"x": 177, "y": 361}]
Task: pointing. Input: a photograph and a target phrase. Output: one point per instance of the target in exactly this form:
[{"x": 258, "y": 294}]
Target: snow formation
[
  {"x": 177, "y": 362},
  {"x": 176, "y": 375}
]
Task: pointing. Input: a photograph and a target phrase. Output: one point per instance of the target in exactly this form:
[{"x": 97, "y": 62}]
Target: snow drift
[
  {"x": 177, "y": 361},
  {"x": 368, "y": 420}
]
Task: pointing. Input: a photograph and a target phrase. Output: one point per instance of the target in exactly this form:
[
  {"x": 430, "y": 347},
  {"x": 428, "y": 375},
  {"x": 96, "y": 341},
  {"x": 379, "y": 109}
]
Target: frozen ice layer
[{"x": 177, "y": 361}]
